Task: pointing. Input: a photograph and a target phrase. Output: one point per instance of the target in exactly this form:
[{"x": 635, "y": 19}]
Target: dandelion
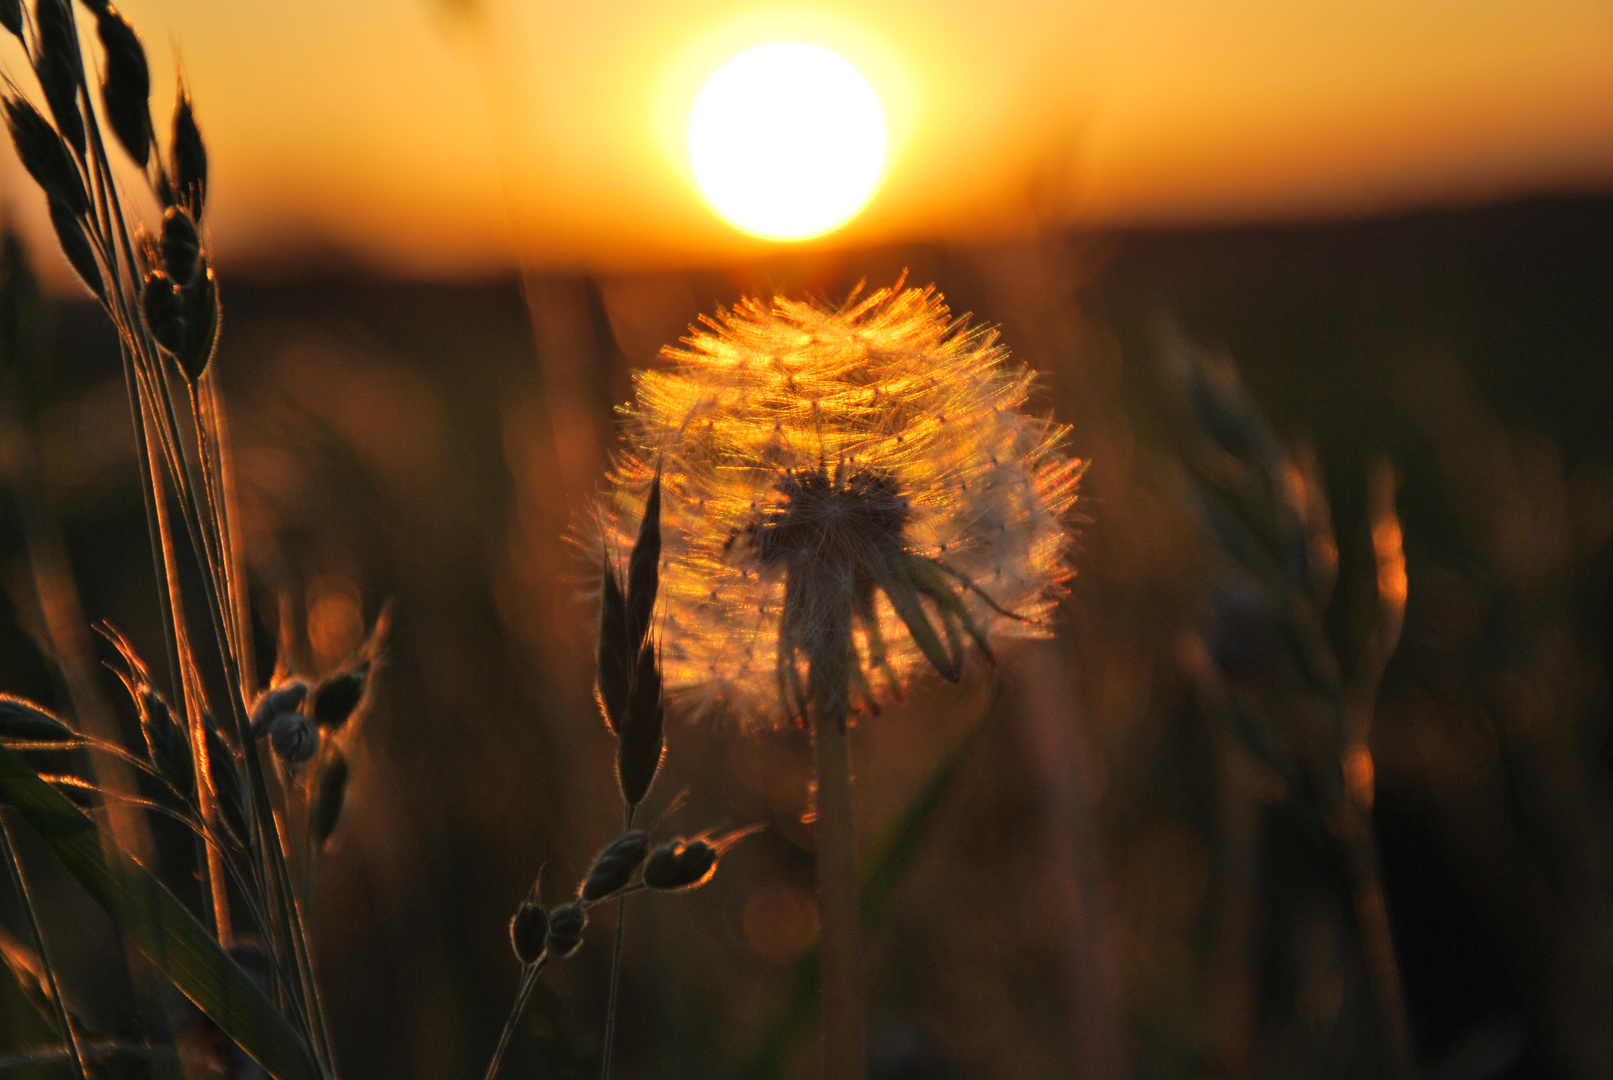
[
  {"x": 846, "y": 495},
  {"x": 869, "y": 467}
]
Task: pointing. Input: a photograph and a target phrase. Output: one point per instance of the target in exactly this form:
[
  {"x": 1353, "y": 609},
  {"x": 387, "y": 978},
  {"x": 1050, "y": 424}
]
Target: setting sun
[{"x": 787, "y": 141}]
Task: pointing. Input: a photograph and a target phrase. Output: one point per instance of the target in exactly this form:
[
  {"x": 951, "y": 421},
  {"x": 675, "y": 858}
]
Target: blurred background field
[
  {"x": 448, "y": 232},
  {"x": 393, "y": 443}
]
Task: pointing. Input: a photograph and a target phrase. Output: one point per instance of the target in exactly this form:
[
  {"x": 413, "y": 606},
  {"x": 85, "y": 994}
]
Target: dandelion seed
[{"x": 872, "y": 460}]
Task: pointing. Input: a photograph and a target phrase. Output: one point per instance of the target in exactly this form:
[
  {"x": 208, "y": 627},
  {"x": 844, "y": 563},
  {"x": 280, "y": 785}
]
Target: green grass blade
[{"x": 158, "y": 925}]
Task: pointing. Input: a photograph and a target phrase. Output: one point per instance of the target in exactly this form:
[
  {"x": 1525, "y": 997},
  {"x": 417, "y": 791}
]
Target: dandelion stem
[{"x": 839, "y": 918}]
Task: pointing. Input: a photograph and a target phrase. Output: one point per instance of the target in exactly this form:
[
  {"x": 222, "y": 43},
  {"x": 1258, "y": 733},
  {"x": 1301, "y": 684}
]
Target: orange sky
[{"x": 427, "y": 141}]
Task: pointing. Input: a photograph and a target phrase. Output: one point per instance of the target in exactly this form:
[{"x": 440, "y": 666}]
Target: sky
[{"x": 451, "y": 137}]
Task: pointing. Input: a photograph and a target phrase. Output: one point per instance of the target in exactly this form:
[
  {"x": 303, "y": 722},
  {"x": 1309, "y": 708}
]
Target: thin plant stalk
[
  {"x": 14, "y": 866},
  {"x": 839, "y": 914},
  {"x": 615, "y": 971},
  {"x": 529, "y": 979}
]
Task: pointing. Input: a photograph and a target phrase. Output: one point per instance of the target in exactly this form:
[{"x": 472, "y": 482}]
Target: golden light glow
[{"x": 787, "y": 141}]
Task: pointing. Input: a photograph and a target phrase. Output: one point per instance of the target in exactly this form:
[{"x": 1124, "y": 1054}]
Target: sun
[{"x": 787, "y": 141}]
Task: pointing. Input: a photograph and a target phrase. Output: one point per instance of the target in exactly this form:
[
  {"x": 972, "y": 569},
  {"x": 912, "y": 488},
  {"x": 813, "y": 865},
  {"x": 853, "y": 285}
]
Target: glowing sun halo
[{"x": 787, "y": 141}]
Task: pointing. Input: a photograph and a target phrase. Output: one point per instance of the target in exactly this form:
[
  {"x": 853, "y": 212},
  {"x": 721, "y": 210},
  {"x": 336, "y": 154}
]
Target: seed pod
[
  {"x": 45, "y": 156},
  {"x": 529, "y": 929},
  {"x": 613, "y": 867},
  {"x": 11, "y": 17},
  {"x": 127, "y": 89},
  {"x": 339, "y": 696},
  {"x": 615, "y": 678},
  {"x": 189, "y": 158},
  {"x": 330, "y": 792},
  {"x": 644, "y": 569},
  {"x": 59, "y": 68},
  {"x": 166, "y": 743},
  {"x": 23, "y": 720},
  {"x": 640, "y": 743},
  {"x": 232, "y": 803},
  {"x": 286, "y": 697},
  {"x": 201, "y": 322},
  {"x": 163, "y": 310},
  {"x": 294, "y": 739},
  {"x": 76, "y": 246},
  {"x": 566, "y": 925},
  {"x": 180, "y": 245},
  {"x": 680, "y": 865}
]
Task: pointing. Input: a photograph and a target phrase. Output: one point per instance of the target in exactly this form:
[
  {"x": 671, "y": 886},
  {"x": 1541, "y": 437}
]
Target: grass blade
[{"x": 159, "y": 925}]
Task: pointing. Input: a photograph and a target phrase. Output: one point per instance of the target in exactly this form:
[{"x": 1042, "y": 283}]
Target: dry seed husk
[
  {"x": 233, "y": 807},
  {"x": 59, "y": 68},
  {"x": 202, "y": 310},
  {"x": 566, "y": 926},
  {"x": 613, "y": 867},
  {"x": 127, "y": 89},
  {"x": 529, "y": 929},
  {"x": 22, "y": 719},
  {"x": 339, "y": 695},
  {"x": 641, "y": 742},
  {"x": 76, "y": 246},
  {"x": 330, "y": 792},
  {"x": 180, "y": 245},
  {"x": 644, "y": 569},
  {"x": 45, "y": 155},
  {"x": 163, "y": 310},
  {"x": 615, "y": 678},
  {"x": 189, "y": 158}
]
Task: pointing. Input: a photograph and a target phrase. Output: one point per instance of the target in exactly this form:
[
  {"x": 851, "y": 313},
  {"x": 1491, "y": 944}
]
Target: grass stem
[
  {"x": 529, "y": 979},
  {"x": 14, "y": 865}
]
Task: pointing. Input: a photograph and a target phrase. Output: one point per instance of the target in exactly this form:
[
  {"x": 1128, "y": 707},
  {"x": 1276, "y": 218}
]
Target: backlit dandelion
[
  {"x": 843, "y": 494},
  {"x": 865, "y": 473}
]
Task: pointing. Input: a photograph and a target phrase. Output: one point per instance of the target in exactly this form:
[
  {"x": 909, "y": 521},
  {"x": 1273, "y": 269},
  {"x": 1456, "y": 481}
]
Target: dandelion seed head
[{"x": 806, "y": 450}]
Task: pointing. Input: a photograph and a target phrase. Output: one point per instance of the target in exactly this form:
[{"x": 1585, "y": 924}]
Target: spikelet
[{"x": 886, "y": 408}]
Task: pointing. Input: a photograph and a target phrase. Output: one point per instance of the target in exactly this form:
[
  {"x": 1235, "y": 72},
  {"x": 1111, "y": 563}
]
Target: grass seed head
[
  {"x": 22, "y": 720},
  {"x": 166, "y": 742},
  {"x": 227, "y": 787},
  {"x": 189, "y": 154},
  {"x": 163, "y": 310},
  {"x": 870, "y": 464},
  {"x": 641, "y": 742},
  {"x": 529, "y": 929},
  {"x": 614, "y": 866},
  {"x": 680, "y": 865},
  {"x": 283, "y": 697},
  {"x": 202, "y": 313},
  {"x": 338, "y": 697},
  {"x": 60, "y": 68},
  {"x": 46, "y": 156},
  {"x": 567, "y": 924},
  {"x": 11, "y": 17},
  {"x": 76, "y": 246},
  {"x": 294, "y": 739},
  {"x": 127, "y": 88},
  {"x": 181, "y": 246}
]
